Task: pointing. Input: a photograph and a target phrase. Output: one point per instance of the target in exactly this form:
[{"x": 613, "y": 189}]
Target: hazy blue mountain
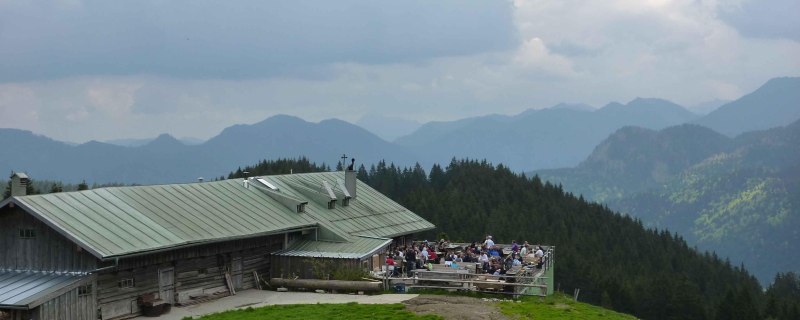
[
  {"x": 737, "y": 196},
  {"x": 707, "y": 107},
  {"x": 287, "y": 136},
  {"x": 388, "y": 128},
  {"x": 24, "y": 151},
  {"x": 776, "y": 103},
  {"x": 131, "y": 142},
  {"x": 189, "y": 141},
  {"x": 166, "y": 159},
  {"x": 546, "y": 138},
  {"x": 574, "y": 106},
  {"x": 140, "y": 142}
]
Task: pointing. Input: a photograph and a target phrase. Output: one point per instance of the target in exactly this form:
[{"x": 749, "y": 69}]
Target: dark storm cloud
[{"x": 241, "y": 39}]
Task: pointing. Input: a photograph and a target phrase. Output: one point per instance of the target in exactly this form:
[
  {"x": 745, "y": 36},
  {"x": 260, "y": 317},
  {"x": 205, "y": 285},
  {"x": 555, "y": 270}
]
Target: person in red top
[
  {"x": 390, "y": 266},
  {"x": 432, "y": 255}
]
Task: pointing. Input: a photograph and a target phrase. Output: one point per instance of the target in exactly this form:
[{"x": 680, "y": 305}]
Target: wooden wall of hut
[
  {"x": 75, "y": 304},
  {"x": 197, "y": 273},
  {"x": 15, "y": 314},
  {"x": 46, "y": 250}
]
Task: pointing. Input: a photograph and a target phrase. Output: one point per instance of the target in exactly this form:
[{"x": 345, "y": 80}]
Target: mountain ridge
[
  {"x": 543, "y": 138},
  {"x": 166, "y": 160},
  {"x": 776, "y": 103},
  {"x": 736, "y": 196}
]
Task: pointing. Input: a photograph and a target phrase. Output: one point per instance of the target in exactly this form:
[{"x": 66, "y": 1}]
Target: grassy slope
[
  {"x": 558, "y": 306},
  {"x": 321, "y": 311}
]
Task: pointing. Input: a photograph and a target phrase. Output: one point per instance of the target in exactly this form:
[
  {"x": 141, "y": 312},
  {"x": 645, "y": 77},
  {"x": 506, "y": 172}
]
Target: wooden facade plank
[{"x": 48, "y": 251}]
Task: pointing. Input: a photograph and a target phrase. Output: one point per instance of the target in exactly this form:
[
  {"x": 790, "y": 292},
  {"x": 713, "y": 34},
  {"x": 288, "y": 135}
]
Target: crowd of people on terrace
[{"x": 487, "y": 256}]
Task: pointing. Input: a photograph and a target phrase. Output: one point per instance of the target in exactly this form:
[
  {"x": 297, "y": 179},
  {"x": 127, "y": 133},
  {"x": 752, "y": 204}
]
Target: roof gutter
[{"x": 116, "y": 264}]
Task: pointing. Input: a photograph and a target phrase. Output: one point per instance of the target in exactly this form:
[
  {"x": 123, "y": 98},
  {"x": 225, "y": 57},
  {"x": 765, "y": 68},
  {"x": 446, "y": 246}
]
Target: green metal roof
[
  {"x": 371, "y": 213},
  {"x": 357, "y": 248},
  {"x": 125, "y": 220},
  {"x": 119, "y": 221},
  {"x": 25, "y": 289}
]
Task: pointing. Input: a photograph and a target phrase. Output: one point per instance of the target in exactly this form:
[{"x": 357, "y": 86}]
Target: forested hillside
[
  {"x": 737, "y": 196},
  {"x": 613, "y": 259}
]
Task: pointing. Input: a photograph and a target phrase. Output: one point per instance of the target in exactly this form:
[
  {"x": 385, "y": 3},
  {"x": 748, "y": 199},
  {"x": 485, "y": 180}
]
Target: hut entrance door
[
  {"x": 236, "y": 272},
  {"x": 166, "y": 285}
]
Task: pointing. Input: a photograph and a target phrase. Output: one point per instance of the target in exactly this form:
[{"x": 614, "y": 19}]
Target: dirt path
[{"x": 455, "y": 307}]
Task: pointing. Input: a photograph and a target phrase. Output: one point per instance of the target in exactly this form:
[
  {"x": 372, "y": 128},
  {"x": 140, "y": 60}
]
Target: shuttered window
[{"x": 27, "y": 233}]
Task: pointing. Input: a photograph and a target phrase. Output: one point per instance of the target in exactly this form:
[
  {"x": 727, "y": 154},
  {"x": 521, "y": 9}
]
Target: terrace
[{"x": 532, "y": 278}]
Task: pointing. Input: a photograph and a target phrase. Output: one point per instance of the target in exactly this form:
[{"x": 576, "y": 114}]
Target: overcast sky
[{"x": 81, "y": 70}]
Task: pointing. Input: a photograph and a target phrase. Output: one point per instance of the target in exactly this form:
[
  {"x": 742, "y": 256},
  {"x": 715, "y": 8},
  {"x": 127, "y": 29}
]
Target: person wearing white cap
[{"x": 488, "y": 244}]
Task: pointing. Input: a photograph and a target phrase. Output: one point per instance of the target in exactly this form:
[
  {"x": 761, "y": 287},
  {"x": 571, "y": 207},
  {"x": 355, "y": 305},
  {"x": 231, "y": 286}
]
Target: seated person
[
  {"x": 516, "y": 261},
  {"x": 432, "y": 256},
  {"x": 494, "y": 251}
]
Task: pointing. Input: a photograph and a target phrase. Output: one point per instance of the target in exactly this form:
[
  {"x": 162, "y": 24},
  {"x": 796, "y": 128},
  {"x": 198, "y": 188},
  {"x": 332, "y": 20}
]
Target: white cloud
[
  {"x": 534, "y": 54},
  {"x": 675, "y": 49},
  {"x": 113, "y": 99},
  {"x": 18, "y": 107}
]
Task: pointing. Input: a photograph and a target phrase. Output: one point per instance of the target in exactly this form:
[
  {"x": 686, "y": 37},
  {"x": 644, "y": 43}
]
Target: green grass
[
  {"x": 557, "y": 306},
  {"x": 322, "y": 311}
]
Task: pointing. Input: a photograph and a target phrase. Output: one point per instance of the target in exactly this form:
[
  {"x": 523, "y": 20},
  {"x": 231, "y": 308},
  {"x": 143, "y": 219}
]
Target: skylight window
[{"x": 268, "y": 184}]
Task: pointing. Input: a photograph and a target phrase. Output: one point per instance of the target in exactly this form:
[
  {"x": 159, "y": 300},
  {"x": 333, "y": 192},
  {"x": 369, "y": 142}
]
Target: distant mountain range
[
  {"x": 708, "y": 106},
  {"x": 564, "y": 135},
  {"x": 737, "y": 196},
  {"x": 388, "y": 128},
  {"x": 144, "y": 141},
  {"x": 547, "y": 138},
  {"x": 165, "y": 159},
  {"x": 560, "y": 136}
]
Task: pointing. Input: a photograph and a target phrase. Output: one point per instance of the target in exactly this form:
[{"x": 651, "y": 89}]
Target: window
[
  {"x": 85, "y": 290},
  {"x": 126, "y": 283},
  {"x": 27, "y": 233}
]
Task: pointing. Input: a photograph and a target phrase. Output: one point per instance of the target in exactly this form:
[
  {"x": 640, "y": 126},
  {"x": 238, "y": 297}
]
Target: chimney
[
  {"x": 19, "y": 184},
  {"x": 350, "y": 182}
]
